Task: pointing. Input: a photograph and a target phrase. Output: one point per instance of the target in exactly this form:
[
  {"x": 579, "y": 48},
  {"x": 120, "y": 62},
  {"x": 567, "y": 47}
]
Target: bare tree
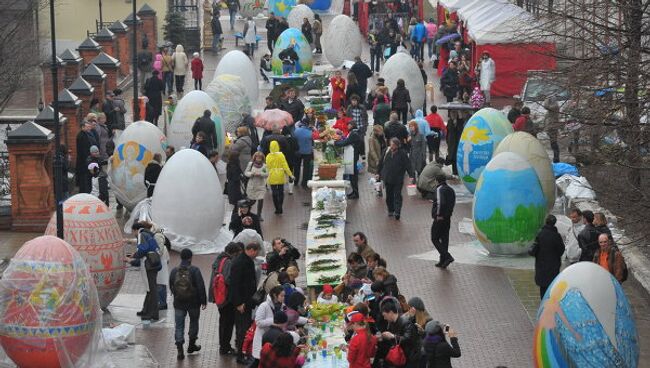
[
  {"x": 603, "y": 53},
  {"x": 18, "y": 45}
]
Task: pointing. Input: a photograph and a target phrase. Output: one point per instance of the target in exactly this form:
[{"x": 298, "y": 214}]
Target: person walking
[
  {"x": 376, "y": 148},
  {"x": 432, "y": 30},
  {"x": 187, "y": 287},
  {"x": 552, "y": 124},
  {"x": 168, "y": 71},
  {"x": 197, "y": 71},
  {"x": 362, "y": 72},
  {"x": 438, "y": 130},
  {"x": 317, "y": 28},
  {"x": 257, "y": 174},
  {"x": 179, "y": 62},
  {"x": 401, "y": 100},
  {"x": 271, "y": 27},
  {"x": 242, "y": 285},
  {"x": 234, "y": 185},
  {"x": 395, "y": 129},
  {"x": 304, "y": 137},
  {"x": 154, "y": 88},
  {"x": 487, "y": 75},
  {"x": 103, "y": 134},
  {"x": 243, "y": 145},
  {"x": 355, "y": 142},
  {"x": 306, "y": 30},
  {"x": 217, "y": 31},
  {"x": 441, "y": 211},
  {"x": 233, "y": 8},
  {"x": 418, "y": 147},
  {"x": 392, "y": 166},
  {"x": 221, "y": 268},
  {"x": 278, "y": 168},
  {"x": 119, "y": 111},
  {"x": 449, "y": 83},
  {"x": 206, "y": 125},
  {"x": 547, "y": 249},
  {"x": 376, "y": 51},
  {"x": 250, "y": 36},
  {"x": 609, "y": 257}
]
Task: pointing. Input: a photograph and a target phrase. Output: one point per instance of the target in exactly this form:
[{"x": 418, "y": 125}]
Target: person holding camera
[
  {"x": 440, "y": 345},
  {"x": 245, "y": 219},
  {"x": 282, "y": 256}
]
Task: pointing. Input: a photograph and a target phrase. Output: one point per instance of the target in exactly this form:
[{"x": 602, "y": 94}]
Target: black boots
[
  {"x": 179, "y": 347},
  {"x": 193, "y": 347}
]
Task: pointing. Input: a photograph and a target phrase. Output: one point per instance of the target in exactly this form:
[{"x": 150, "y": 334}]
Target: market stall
[{"x": 326, "y": 337}]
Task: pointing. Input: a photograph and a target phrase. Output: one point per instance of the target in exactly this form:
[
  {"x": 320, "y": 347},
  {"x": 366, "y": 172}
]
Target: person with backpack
[
  {"x": 609, "y": 257},
  {"x": 147, "y": 250},
  {"x": 218, "y": 294},
  {"x": 186, "y": 284}
]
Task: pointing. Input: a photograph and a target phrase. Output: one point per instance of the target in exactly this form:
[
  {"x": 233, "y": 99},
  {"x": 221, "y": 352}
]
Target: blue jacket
[
  {"x": 419, "y": 32},
  {"x": 303, "y": 135},
  {"x": 423, "y": 125}
]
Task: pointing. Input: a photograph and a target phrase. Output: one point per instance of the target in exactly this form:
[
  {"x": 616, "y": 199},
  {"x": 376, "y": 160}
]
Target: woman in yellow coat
[{"x": 278, "y": 169}]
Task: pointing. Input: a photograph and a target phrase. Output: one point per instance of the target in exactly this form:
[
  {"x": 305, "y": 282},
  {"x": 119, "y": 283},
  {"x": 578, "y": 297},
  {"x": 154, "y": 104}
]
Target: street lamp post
[
  {"x": 136, "y": 102},
  {"x": 101, "y": 18},
  {"x": 58, "y": 157}
]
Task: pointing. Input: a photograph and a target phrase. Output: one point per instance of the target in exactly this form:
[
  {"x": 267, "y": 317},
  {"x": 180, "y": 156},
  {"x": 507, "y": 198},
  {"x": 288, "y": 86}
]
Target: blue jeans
[
  {"x": 288, "y": 68},
  {"x": 179, "y": 320},
  {"x": 215, "y": 42},
  {"x": 233, "y": 15},
  {"x": 168, "y": 78},
  {"x": 162, "y": 295},
  {"x": 431, "y": 46}
]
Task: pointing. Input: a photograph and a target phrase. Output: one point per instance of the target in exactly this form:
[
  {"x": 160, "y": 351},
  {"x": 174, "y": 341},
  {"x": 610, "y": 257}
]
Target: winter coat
[
  {"x": 588, "y": 241},
  {"x": 571, "y": 242},
  {"x": 242, "y": 280},
  {"x": 419, "y": 33},
  {"x": 249, "y": 122},
  {"x": 244, "y": 146},
  {"x": 256, "y": 186},
  {"x": 362, "y": 122},
  {"x": 354, "y": 89},
  {"x": 216, "y": 26},
  {"x": 377, "y": 147},
  {"x": 276, "y": 262},
  {"x": 362, "y": 72},
  {"x": 265, "y": 144},
  {"x": 206, "y": 125},
  {"x": 321, "y": 300},
  {"x": 615, "y": 262},
  {"x": 390, "y": 286},
  {"x": 197, "y": 283},
  {"x": 401, "y": 98},
  {"x": 250, "y": 32},
  {"x": 277, "y": 165},
  {"x": 353, "y": 139},
  {"x": 427, "y": 180},
  {"x": 151, "y": 174},
  {"x": 296, "y": 108},
  {"x": 84, "y": 142},
  {"x": 361, "y": 349},
  {"x": 237, "y": 225},
  {"x": 408, "y": 338},
  {"x": 263, "y": 321},
  {"x": 381, "y": 113},
  {"x": 418, "y": 154},
  {"x": 234, "y": 183},
  {"x": 153, "y": 89},
  {"x": 158, "y": 65},
  {"x": 393, "y": 165},
  {"x": 197, "y": 68},
  {"x": 307, "y": 32},
  {"x": 179, "y": 60},
  {"x": 438, "y": 352},
  {"x": 119, "y": 109},
  {"x": 104, "y": 135},
  {"x": 449, "y": 83},
  {"x": 338, "y": 86},
  {"x": 303, "y": 135},
  {"x": 294, "y": 319},
  {"x": 444, "y": 201},
  {"x": 395, "y": 129},
  {"x": 547, "y": 250},
  {"x": 342, "y": 125}
]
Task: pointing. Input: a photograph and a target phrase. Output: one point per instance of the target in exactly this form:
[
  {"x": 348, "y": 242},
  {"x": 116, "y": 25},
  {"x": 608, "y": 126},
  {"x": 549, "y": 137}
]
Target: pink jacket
[
  {"x": 157, "y": 65},
  {"x": 432, "y": 29}
]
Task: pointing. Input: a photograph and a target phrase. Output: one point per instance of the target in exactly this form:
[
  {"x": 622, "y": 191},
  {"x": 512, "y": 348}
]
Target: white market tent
[{"x": 453, "y": 5}]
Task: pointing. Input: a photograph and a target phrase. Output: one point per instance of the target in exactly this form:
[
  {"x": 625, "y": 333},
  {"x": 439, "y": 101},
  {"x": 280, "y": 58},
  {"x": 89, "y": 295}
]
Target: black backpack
[
  {"x": 153, "y": 261},
  {"x": 184, "y": 289}
]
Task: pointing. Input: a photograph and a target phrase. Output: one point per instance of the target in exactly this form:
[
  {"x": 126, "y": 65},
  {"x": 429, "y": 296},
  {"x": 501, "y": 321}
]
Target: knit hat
[
  {"x": 94, "y": 149},
  {"x": 416, "y": 303},
  {"x": 327, "y": 289},
  {"x": 433, "y": 328},
  {"x": 279, "y": 318}
]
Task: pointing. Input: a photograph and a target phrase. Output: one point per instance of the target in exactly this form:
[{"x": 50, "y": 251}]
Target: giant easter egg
[
  {"x": 133, "y": 150},
  {"x": 188, "y": 109},
  {"x": 90, "y": 227},
  {"x": 509, "y": 205},
  {"x": 532, "y": 150},
  {"x": 188, "y": 201},
  {"x": 237, "y": 63},
  {"x": 585, "y": 320},
  {"x": 482, "y": 134},
  {"x": 281, "y": 8},
  {"x": 48, "y": 306},
  {"x": 342, "y": 41},
  {"x": 230, "y": 94},
  {"x": 292, "y": 36},
  {"x": 251, "y": 8},
  {"x": 402, "y": 66},
  {"x": 298, "y": 14},
  {"x": 321, "y": 5}
]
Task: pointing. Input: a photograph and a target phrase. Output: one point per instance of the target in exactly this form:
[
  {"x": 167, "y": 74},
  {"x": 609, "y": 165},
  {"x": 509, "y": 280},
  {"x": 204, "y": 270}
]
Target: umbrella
[
  {"x": 447, "y": 38},
  {"x": 273, "y": 119},
  {"x": 456, "y": 106}
]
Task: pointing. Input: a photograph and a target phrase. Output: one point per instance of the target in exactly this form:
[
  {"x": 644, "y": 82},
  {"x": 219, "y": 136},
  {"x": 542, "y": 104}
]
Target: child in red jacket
[
  {"x": 363, "y": 345},
  {"x": 197, "y": 71}
]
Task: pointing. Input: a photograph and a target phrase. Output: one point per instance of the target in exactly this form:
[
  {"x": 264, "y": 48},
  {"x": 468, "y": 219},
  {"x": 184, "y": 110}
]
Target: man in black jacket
[
  {"x": 443, "y": 207},
  {"x": 362, "y": 72},
  {"x": 206, "y": 125},
  {"x": 282, "y": 256},
  {"x": 151, "y": 174},
  {"x": 187, "y": 286},
  {"x": 244, "y": 219},
  {"x": 223, "y": 265},
  {"x": 547, "y": 249},
  {"x": 392, "y": 167},
  {"x": 276, "y": 135},
  {"x": 353, "y": 139},
  {"x": 395, "y": 129},
  {"x": 449, "y": 82},
  {"x": 293, "y": 105},
  {"x": 588, "y": 237},
  {"x": 271, "y": 25},
  {"x": 242, "y": 286},
  {"x": 402, "y": 330}
]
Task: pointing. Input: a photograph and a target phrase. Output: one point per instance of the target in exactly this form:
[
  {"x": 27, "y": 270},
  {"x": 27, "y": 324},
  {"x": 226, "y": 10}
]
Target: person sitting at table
[
  {"x": 295, "y": 311},
  {"x": 327, "y": 295},
  {"x": 289, "y": 59}
]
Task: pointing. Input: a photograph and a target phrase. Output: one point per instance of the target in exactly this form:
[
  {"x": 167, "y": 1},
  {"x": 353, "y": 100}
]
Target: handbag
[
  {"x": 396, "y": 356},
  {"x": 260, "y": 295}
]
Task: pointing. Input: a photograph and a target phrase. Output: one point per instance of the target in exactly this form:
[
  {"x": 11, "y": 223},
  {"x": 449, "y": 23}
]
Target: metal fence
[{"x": 5, "y": 178}]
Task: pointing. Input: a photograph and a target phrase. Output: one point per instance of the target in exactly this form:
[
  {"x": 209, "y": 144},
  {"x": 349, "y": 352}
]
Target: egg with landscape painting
[
  {"x": 237, "y": 63},
  {"x": 402, "y": 66},
  {"x": 342, "y": 40},
  {"x": 293, "y": 36},
  {"x": 509, "y": 205},
  {"x": 531, "y": 149},
  {"x": 188, "y": 201},
  {"x": 251, "y": 8},
  {"x": 134, "y": 149},
  {"x": 281, "y": 8},
  {"x": 585, "y": 320},
  {"x": 482, "y": 134},
  {"x": 230, "y": 94},
  {"x": 188, "y": 109},
  {"x": 90, "y": 227},
  {"x": 49, "y": 310}
]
